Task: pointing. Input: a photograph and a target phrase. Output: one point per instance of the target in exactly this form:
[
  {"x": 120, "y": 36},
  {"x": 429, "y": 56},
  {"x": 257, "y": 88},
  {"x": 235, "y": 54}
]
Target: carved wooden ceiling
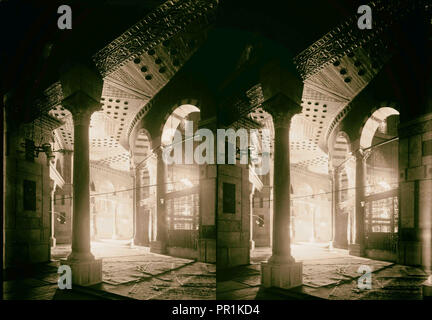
[
  {"x": 325, "y": 102},
  {"x": 326, "y": 96},
  {"x": 134, "y": 76},
  {"x": 335, "y": 69}
]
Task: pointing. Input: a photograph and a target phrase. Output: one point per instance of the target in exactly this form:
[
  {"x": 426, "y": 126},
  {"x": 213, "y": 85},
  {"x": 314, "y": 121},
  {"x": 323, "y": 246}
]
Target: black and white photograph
[{"x": 213, "y": 150}]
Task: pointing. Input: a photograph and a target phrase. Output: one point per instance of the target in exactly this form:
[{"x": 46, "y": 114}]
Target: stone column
[
  {"x": 358, "y": 247},
  {"x": 135, "y": 198},
  {"x": 281, "y": 270},
  {"x": 145, "y": 211},
  {"x": 332, "y": 173},
  {"x": 52, "y": 238},
  {"x": 251, "y": 240},
  {"x": 82, "y": 88},
  {"x": 159, "y": 246},
  {"x": 67, "y": 190}
]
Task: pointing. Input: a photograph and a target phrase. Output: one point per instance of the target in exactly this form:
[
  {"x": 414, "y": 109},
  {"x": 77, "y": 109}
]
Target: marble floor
[
  {"x": 128, "y": 273},
  {"x": 135, "y": 273},
  {"x": 327, "y": 274}
]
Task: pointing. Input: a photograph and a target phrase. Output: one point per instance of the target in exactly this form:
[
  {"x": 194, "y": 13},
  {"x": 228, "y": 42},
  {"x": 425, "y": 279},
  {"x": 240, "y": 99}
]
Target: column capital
[
  {"x": 79, "y": 76},
  {"x": 52, "y": 186},
  {"x": 82, "y": 89},
  {"x": 81, "y": 106},
  {"x": 282, "y": 109},
  {"x": 158, "y": 152},
  {"x": 362, "y": 154}
]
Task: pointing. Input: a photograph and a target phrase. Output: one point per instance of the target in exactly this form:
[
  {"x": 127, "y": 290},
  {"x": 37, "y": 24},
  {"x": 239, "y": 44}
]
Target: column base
[
  {"x": 158, "y": 247},
  {"x": 85, "y": 273},
  {"x": 80, "y": 256},
  {"x": 410, "y": 253},
  {"x": 427, "y": 289},
  {"x": 357, "y": 250},
  {"x": 139, "y": 242},
  {"x": 284, "y": 275},
  {"x": 339, "y": 245},
  {"x": 252, "y": 245},
  {"x": 53, "y": 242}
]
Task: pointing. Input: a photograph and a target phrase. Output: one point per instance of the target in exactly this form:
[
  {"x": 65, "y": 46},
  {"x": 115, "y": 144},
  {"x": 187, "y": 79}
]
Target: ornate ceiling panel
[
  {"x": 163, "y": 23},
  {"x": 135, "y": 67},
  {"x": 107, "y": 126},
  {"x": 326, "y": 96},
  {"x": 151, "y": 70},
  {"x": 143, "y": 59},
  {"x": 347, "y": 37},
  {"x": 341, "y": 64}
]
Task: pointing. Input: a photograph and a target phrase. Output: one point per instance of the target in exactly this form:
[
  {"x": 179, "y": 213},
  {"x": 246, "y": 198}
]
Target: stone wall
[
  {"x": 207, "y": 234},
  {"x": 27, "y": 204},
  {"x": 262, "y": 218},
  {"x": 415, "y": 182},
  {"x": 233, "y": 226}
]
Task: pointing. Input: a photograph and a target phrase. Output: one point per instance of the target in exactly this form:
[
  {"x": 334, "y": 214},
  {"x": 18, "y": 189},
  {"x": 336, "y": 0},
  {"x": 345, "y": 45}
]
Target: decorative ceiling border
[
  {"x": 246, "y": 101},
  {"x": 161, "y": 24},
  {"x": 347, "y": 37},
  {"x": 51, "y": 97},
  {"x": 167, "y": 20},
  {"x": 378, "y": 50}
]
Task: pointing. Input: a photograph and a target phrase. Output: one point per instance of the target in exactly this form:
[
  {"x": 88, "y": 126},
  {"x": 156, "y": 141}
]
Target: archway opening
[
  {"x": 380, "y": 142},
  {"x": 145, "y": 190},
  {"x": 110, "y": 218},
  {"x": 182, "y": 182},
  {"x": 344, "y": 188},
  {"x": 303, "y": 227}
]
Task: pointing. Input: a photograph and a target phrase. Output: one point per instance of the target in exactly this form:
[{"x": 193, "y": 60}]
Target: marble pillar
[
  {"x": 252, "y": 220},
  {"x": 82, "y": 89},
  {"x": 159, "y": 246},
  {"x": 357, "y": 247},
  {"x": 281, "y": 270},
  {"x": 135, "y": 199},
  {"x": 332, "y": 174},
  {"x": 53, "y": 215}
]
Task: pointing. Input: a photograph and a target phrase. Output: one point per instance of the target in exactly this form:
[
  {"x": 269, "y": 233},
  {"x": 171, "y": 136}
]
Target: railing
[
  {"x": 386, "y": 236},
  {"x": 183, "y": 238}
]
